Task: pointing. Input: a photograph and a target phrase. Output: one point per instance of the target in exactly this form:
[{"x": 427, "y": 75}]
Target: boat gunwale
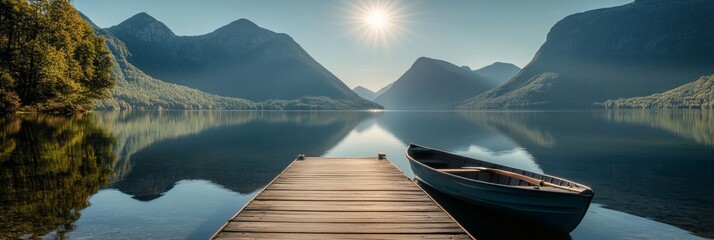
[{"x": 589, "y": 194}]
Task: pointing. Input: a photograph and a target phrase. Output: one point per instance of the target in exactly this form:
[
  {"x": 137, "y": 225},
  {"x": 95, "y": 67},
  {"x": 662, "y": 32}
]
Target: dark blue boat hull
[{"x": 560, "y": 211}]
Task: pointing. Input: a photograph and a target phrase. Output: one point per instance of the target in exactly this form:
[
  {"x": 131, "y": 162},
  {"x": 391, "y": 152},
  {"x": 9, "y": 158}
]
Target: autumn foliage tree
[{"x": 50, "y": 58}]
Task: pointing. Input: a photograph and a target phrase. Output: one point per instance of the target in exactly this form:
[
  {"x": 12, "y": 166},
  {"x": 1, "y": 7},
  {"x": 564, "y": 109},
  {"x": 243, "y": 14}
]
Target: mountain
[
  {"x": 364, "y": 92},
  {"x": 498, "y": 72},
  {"x": 240, "y": 59},
  {"x": 368, "y": 94},
  {"x": 697, "y": 94},
  {"x": 638, "y": 49},
  {"x": 433, "y": 84},
  {"x": 136, "y": 90},
  {"x": 382, "y": 90}
]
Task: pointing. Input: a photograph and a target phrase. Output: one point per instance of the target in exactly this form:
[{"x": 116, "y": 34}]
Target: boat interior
[{"x": 490, "y": 172}]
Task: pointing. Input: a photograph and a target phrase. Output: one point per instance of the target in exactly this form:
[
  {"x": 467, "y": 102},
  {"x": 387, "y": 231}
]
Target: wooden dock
[{"x": 342, "y": 198}]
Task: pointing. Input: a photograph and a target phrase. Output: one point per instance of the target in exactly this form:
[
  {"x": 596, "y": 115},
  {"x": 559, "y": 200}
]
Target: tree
[
  {"x": 49, "y": 166},
  {"x": 50, "y": 58}
]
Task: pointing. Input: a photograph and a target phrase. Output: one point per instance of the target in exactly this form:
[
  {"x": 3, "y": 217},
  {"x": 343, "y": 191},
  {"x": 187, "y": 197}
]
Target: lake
[{"x": 182, "y": 174}]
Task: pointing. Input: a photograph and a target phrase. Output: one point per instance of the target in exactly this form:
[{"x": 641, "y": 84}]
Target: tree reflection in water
[{"x": 49, "y": 167}]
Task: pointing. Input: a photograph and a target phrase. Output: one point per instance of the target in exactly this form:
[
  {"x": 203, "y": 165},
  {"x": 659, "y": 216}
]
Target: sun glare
[
  {"x": 377, "y": 18},
  {"x": 378, "y": 23}
]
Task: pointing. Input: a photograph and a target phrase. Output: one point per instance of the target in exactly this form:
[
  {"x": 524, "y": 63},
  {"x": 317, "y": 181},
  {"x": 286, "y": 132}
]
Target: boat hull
[{"x": 552, "y": 209}]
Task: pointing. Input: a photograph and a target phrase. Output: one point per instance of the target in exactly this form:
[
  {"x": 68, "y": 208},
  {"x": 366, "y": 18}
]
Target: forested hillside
[{"x": 697, "y": 94}]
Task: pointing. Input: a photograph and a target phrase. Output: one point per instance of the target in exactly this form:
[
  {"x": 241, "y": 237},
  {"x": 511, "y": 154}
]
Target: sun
[
  {"x": 378, "y": 22},
  {"x": 377, "y": 19}
]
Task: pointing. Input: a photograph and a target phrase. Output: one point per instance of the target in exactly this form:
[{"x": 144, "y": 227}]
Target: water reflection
[
  {"x": 181, "y": 174},
  {"x": 242, "y": 151},
  {"x": 695, "y": 124},
  {"x": 443, "y": 130},
  {"x": 193, "y": 209},
  {"x": 49, "y": 166},
  {"x": 472, "y": 136},
  {"x": 650, "y": 164}
]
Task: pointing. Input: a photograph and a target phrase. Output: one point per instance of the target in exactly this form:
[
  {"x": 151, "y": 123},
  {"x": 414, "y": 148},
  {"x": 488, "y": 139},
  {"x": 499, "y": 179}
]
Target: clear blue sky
[{"x": 471, "y": 33}]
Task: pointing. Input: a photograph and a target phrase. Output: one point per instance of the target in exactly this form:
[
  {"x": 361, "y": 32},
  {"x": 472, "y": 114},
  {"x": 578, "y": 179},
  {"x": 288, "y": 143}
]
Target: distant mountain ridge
[
  {"x": 383, "y": 90},
  {"x": 498, "y": 72},
  {"x": 369, "y": 94},
  {"x": 364, "y": 93},
  {"x": 237, "y": 60},
  {"x": 641, "y": 48},
  {"x": 432, "y": 84}
]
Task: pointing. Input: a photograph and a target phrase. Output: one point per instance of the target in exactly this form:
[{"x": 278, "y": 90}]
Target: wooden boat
[{"x": 551, "y": 201}]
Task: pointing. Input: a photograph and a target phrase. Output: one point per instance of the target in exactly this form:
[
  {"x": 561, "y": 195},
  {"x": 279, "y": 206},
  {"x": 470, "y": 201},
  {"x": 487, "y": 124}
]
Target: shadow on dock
[{"x": 486, "y": 224}]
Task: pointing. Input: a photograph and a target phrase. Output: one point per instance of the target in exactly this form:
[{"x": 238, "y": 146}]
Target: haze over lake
[{"x": 182, "y": 174}]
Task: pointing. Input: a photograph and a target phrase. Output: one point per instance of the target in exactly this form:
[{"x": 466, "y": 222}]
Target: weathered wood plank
[
  {"x": 338, "y": 163},
  {"x": 307, "y": 175},
  {"x": 343, "y": 206},
  {"x": 341, "y": 164},
  {"x": 342, "y": 171},
  {"x": 342, "y": 199},
  {"x": 340, "y": 187},
  {"x": 353, "y": 176},
  {"x": 352, "y": 236},
  {"x": 397, "y": 196},
  {"x": 348, "y": 182},
  {"x": 290, "y": 227},
  {"x": 345, "y": 179},
  {"x": 343, "y": 217}
]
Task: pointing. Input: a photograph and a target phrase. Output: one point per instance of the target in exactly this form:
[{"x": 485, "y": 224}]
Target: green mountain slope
[{"x": 697, "y": 94}]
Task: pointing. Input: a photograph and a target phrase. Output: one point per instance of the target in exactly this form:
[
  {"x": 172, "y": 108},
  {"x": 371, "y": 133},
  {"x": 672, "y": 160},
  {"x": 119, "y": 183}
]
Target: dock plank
[
  {"x": 342, "y": 217},
  {"x": 351, "y": 236},
  {"x": 341, "y": 187},
  {"x": 343, "y": 206},
  {"x": 347, "y": 198},
  {"x": 291, "y": 227},
  {"x": 396, "y": 196}
]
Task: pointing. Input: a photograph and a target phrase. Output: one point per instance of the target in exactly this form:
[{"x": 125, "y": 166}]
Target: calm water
[{"x": 174, "y": 175}]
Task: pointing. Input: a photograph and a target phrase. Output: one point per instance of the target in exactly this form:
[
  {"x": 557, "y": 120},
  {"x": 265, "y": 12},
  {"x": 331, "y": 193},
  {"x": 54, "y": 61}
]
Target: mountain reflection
[
  {"x": 241, "y": 151},
  {"x": 694, "y": 124},
  {"x": 653, "y": 164},
  {"x": 518, "y": 124},
  {"x": 443, "y": 130},
  {"x": 49, "y": 167}
]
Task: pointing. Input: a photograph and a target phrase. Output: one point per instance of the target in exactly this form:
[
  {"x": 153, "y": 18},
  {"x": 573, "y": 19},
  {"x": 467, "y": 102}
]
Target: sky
[{"x": 337, "y": 34}]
